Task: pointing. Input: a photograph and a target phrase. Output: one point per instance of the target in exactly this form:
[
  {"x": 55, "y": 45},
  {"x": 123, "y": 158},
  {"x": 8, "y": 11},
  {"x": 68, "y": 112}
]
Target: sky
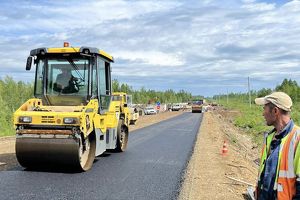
[{"x": 205, "y": 47}]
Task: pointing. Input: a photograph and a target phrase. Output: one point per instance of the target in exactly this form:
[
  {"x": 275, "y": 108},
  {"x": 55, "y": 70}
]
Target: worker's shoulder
[
  {"x": 297, "y": 132},
  {"x": 296, "y": 127}
]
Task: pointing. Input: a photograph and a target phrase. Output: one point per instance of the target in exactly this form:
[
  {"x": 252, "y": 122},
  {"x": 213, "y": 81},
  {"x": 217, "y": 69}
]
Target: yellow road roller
[
  {"x": 126, "y": 106},
  {"x": 72, "y": 118}
]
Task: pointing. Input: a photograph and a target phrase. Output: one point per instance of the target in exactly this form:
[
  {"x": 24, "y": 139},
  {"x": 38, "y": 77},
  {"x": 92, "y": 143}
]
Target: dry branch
[
  {"x": 241, "y": 166},
  {"x": 241, "y": 181}
]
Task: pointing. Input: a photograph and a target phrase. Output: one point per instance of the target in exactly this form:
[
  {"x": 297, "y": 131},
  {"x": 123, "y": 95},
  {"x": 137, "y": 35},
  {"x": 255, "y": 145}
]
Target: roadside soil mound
[{"x": 211, "y": 175}]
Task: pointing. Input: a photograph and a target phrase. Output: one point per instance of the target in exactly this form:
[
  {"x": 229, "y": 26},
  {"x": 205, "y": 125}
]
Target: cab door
[{"x": 104, "y": 83}]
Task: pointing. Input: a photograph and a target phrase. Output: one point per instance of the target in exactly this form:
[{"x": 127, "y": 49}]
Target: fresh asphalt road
[{"x": 151, "y": 168}]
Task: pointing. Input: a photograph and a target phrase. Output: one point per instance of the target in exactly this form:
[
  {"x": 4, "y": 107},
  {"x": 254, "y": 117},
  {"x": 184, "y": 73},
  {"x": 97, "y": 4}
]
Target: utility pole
[
  {"x": 227, "y": 96},
  {"x": 249, "y": 92}
]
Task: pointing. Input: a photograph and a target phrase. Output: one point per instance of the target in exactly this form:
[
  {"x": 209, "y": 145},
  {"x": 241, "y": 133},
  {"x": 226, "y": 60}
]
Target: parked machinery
[
  {"x": 126, "y": 106},
  {"x": 197, "y": 106}
]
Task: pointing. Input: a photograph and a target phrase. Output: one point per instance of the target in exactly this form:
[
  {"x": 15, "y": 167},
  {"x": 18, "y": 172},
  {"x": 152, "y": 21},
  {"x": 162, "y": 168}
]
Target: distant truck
[{"x": 197, "y": 106}]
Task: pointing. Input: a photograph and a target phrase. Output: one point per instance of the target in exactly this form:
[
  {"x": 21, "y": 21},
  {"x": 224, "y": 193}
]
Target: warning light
[{"x": 66, "y": 44}]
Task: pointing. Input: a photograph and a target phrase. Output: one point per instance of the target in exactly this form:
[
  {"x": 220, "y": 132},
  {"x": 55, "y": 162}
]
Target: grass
[
  {"x": 251, "y": 119},
  {"x": 7, "y": 130}
]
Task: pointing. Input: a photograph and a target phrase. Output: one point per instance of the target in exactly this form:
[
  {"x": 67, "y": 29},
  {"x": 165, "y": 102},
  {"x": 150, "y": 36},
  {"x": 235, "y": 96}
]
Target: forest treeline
[
  {"x": 288, "y": 86},
  {"x": 14, "y": 93},
  {"x": 143, "y": 96}
]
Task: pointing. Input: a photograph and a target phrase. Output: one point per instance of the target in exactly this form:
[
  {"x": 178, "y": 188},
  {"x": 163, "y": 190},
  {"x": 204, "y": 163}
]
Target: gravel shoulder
[
  {"x": 208, "y": 173},
  {"x": 8, "y": 160}
]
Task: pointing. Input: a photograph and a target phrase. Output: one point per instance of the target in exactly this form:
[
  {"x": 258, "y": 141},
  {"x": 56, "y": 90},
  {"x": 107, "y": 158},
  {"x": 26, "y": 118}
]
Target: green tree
[
  {"x": 12, "y": 95},
  {"x": 290, "y": 87},
  {"x": 115, "y": 85},
  {"x": 263, "y": 92}
]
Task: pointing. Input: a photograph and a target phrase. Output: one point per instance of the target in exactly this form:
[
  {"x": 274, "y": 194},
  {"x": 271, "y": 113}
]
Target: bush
[{"x": 12, "y": 95}]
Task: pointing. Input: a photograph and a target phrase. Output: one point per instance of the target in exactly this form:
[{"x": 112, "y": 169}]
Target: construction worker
[
  {"x": 279, "y": 172},
  {"x": 63, "y": 78},
  {"x": 66, "y": 82}
]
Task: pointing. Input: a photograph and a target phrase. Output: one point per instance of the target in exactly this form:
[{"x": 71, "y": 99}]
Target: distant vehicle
[
  {"x": 197, "y": 106},
  {"x": 175, "y": 107},
  {"x": 150, "y": 111}
]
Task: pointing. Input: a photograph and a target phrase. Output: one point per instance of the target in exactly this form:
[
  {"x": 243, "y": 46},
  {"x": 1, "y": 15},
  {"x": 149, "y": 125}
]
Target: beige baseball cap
[{"x": 279, "y": 99}]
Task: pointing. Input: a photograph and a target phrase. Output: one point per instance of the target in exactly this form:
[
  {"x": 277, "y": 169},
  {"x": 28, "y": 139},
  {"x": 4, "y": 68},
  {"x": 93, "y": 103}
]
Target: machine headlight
[
  {"x": 25, "y": 119},
  {"x": 70, "y": 120}
]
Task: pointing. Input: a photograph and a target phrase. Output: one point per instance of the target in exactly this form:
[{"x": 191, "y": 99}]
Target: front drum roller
[
  {"x": 122, "y": 136},
  {"x": 71, "y": 153}
]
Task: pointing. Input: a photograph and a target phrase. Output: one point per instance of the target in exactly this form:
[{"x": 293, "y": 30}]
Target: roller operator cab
[{"x": 72, "y": 118}]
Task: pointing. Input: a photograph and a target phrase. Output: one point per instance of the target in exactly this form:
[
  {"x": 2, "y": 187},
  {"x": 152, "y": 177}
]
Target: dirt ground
[
  {"x": 210, "y": 174},
  {"x": 8, "y": 158}
]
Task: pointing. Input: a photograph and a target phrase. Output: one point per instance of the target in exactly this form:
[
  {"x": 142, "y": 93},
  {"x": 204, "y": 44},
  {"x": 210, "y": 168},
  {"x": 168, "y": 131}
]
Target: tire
[
  {"x": 122, "y": 137},
  {"x": 87, "y": 152}
]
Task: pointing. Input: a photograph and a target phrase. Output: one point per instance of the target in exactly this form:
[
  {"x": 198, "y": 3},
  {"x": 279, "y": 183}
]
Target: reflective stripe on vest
[
  {"x": 285, "y": 182},
  {"x": 279, "y": 188},
  {"x": 286, "y": 174}
]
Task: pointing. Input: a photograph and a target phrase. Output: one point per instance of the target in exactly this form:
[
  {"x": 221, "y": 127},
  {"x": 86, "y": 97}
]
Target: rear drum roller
[{"x": 122, "y": 136}]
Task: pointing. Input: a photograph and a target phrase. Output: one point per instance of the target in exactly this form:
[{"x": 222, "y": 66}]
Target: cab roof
[
  {"x": 83, "y": 50},
  {"x": 119, "y": 93}
]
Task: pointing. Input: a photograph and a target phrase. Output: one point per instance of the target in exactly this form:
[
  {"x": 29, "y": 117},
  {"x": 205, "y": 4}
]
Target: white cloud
[
  {"x": 259, "y": 7},
  {"x": 151, "y": 58},
  {"x": 166, "y": 44}
]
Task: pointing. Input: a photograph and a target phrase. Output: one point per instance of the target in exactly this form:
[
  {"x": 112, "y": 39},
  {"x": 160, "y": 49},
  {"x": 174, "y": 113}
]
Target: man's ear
[{"x": 276, "y": 110}]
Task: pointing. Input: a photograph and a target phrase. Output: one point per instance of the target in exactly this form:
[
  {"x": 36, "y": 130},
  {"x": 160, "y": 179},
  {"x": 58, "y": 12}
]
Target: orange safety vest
[{"x": 288, "y": 161}]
